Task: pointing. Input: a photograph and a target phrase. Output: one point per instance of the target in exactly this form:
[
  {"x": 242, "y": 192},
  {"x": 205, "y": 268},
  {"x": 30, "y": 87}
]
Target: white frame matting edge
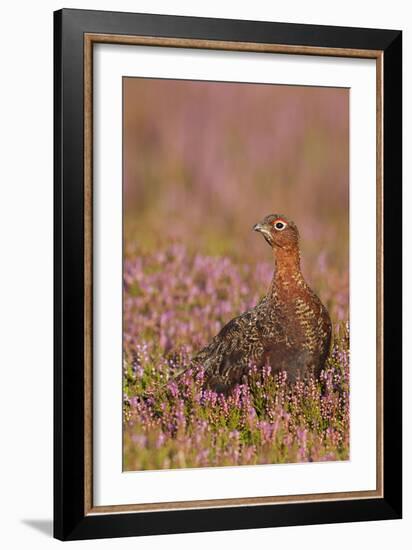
[{"x": 111, "y": 486}]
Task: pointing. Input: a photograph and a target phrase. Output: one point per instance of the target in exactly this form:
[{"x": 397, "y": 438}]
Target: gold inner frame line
[{"x": 89, "y": 40}]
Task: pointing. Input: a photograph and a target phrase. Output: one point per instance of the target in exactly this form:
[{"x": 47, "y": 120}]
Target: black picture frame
[{"x": 70, "y": 520}]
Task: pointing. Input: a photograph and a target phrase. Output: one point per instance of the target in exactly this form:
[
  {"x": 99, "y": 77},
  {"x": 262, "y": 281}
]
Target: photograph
[
  {"x": 236, "y": 329},
  {"x": 227, "y": 273}
]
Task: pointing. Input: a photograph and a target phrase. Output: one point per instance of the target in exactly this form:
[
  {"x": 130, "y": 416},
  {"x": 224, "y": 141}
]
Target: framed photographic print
[{"x": 228, "y": 232}]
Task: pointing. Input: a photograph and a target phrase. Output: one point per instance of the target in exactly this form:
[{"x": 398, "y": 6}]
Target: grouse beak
[{"x": 265, "y": 230}]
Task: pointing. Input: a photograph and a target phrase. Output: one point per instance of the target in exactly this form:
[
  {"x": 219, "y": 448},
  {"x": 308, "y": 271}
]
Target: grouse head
[{"x": 279, "y": 232}]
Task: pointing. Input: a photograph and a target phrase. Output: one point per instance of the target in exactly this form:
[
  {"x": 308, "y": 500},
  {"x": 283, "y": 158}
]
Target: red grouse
[{"x": 289, "y": 329}]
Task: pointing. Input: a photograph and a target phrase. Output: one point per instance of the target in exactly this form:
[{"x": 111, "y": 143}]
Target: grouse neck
[{"x": 287, "y": 268}]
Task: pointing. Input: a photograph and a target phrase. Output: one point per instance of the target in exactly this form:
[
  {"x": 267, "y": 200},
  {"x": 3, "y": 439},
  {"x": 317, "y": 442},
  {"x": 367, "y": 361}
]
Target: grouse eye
[{"x": 280, "y": 225}]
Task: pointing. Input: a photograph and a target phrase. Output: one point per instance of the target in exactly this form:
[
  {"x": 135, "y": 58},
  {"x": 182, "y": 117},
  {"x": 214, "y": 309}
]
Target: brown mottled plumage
[{"x": 289, "y": 328}]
